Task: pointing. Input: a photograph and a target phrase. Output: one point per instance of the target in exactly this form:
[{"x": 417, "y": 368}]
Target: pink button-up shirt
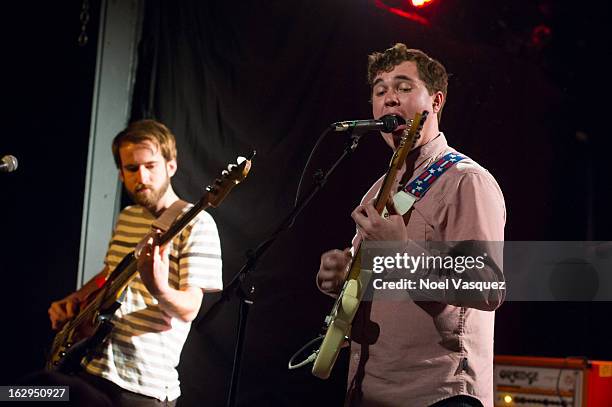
[{"x": 426, "y": 352}]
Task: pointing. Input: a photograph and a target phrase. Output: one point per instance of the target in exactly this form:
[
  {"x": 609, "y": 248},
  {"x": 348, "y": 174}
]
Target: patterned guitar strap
[{"x": 408, "y": 195}]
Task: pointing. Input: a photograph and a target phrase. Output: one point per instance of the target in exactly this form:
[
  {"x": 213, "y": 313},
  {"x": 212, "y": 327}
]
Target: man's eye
[
  {"x": 151, "y": 166},
  {"x": 379, "y": 92},
  {"x": 405, "y": 88}
]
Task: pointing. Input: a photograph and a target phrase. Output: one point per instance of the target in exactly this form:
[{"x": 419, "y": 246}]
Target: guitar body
[
  {"x": 79, "y": 337},
  {"x": 339, "y": 328},
  {"x": 68, "y": 357},
  {"x": 338, "y": 323}
]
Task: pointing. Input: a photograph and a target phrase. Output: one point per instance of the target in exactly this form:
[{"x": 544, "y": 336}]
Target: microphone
[
  {"x": 386, "y": 124},
  {"x": 8, "y": 163}
]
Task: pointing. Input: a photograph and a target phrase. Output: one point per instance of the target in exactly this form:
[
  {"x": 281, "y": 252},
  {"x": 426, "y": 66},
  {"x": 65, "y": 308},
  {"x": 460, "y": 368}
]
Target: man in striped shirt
[{"x": 136, "y": 365}]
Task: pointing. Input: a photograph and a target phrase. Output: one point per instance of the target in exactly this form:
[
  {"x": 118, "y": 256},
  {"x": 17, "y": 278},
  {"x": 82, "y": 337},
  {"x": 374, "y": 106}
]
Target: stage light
[
  {"x": 508, "y": 398},
  {"x": 420, "y": 3},
  {"x": 404, "y": 12},
  {"x": 541, "y": 36}
]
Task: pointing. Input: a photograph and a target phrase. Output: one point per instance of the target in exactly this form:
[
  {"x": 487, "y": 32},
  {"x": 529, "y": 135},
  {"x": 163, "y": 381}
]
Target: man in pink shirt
[{"x": 416, "y": 353}]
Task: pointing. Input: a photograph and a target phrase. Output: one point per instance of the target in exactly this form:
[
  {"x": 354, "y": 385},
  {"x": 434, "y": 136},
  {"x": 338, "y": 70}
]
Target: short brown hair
[
  {"x": 146, "y": 130},
  {"x": 431, "y": 72}
]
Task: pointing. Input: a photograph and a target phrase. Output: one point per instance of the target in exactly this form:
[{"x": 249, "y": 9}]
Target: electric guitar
[
  {"x": 80, "y": 336},
  {"x": 338, "y": 322}
]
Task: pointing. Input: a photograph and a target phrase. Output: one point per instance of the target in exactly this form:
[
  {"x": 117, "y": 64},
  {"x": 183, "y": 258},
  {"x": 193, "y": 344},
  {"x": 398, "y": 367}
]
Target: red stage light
[
  {"x": 420, "y": 3},
  {"x": 402, "y": 13}
]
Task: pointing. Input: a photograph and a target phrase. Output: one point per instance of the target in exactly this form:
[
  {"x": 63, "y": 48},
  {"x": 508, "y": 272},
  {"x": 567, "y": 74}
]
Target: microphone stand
[{"x": 241, "y": 283}]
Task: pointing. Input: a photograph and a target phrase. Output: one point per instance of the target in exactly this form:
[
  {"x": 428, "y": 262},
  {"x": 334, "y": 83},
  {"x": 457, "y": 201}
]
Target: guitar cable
[{"x": 310, "y": 358}]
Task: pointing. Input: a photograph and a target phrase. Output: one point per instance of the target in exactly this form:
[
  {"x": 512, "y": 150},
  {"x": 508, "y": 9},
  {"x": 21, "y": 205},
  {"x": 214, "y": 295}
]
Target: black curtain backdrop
[
  {"x": 229, "y": 77},
  {"x": 47, "y": 86}
]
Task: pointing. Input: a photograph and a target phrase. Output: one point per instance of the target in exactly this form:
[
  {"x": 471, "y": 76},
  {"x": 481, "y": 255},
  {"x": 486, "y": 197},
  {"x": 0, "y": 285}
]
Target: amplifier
[{"x": 569, "y": 382}]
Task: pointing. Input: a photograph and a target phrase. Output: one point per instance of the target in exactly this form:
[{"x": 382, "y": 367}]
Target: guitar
[
  {"x": 338, "y": 322},
  {"x": 89, "y": 328}
]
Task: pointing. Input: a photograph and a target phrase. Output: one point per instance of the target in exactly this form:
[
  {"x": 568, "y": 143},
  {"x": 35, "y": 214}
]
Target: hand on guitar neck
[
  {"x": 153, "y": 267},
  {"x": 372, "y": 226}
]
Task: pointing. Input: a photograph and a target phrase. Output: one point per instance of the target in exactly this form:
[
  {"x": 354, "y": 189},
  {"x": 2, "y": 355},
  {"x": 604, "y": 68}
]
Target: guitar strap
[
  {"x": 408, "y": 195},
  {"x": 164, "y": 222},
  {"x": 167, "y": 218},
  {"x": 423, "y": 182}
]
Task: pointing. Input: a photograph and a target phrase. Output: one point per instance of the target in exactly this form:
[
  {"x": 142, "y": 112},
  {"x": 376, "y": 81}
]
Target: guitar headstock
[
  {"x": 413, "y": 130},
  {"x": 230, "y": 177},
  {"x": 410, "y": 136}
]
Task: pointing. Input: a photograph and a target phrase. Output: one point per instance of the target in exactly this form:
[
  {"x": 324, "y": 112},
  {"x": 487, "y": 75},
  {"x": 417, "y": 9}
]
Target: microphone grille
[
  {"x": 10, "y": 163},
  {"x": 391, "y": 122}
]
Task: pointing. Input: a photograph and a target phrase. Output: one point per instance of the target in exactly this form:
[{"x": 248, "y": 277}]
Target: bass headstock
[{"x": 229, "y": 178}]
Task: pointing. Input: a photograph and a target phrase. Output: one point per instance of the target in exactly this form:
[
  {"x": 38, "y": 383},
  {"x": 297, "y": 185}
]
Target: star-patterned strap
[{"x": 423, "y": 182}]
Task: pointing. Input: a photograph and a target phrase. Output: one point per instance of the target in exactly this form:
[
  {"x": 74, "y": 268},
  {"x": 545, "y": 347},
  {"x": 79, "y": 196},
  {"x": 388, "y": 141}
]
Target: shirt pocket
[{"x": 418, "y": 228}]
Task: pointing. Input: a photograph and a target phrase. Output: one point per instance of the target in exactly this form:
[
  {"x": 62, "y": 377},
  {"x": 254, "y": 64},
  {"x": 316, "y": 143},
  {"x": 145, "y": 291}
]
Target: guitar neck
[
  {"x": 126, "y": 269},
  {"x": 380, "y": 202},
  {"x": 399, "y": 157}
]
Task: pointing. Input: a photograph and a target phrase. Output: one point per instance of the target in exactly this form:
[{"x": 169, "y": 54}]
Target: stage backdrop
[{"x": 230, "y": 77}]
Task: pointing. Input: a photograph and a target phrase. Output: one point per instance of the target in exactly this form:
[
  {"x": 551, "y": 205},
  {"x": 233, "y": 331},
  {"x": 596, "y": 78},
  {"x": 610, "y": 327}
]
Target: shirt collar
[{"x": 430, "y": 151}]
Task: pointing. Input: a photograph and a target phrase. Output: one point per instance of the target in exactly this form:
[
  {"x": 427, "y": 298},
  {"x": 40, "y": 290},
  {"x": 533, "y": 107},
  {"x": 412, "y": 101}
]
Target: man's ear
[
  {"x": 171, "y": 166},
  {"x": 438, "y": 102}
]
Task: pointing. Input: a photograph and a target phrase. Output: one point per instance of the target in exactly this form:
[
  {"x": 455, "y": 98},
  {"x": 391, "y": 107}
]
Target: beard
[{"x": 147, "y": 196}]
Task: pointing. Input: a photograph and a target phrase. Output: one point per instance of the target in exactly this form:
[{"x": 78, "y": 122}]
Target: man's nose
[
  {"x": 391, "y": 98},
  {"x": 142, "y": 174}
]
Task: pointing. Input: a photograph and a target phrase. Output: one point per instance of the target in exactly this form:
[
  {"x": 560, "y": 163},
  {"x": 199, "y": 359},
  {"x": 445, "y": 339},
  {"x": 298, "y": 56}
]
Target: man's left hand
[
  {"x": 153, "y": 266},
  {"x": 373, "y": 226}
]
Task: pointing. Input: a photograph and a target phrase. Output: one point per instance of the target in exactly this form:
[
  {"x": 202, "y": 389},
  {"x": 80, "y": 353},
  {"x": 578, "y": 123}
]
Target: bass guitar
[{"x": 80, "y": 336}]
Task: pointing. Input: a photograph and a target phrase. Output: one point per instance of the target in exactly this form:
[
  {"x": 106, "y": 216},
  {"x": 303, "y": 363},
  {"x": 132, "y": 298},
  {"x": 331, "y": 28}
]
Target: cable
[{"x": 310, "y": 358}]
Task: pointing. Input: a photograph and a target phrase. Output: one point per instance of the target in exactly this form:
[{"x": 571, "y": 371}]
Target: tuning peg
[
  {"x": 231, "y": 167},
  {"x": 218, "y": 181},
  {"x": 242, "y": 159},
  {"x": 225, "y": 173}
]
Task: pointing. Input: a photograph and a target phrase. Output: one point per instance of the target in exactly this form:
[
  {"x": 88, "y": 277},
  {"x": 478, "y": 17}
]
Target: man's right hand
[
  {"x": 333, "y": 269},
  {"x": 63, "y": 310}
]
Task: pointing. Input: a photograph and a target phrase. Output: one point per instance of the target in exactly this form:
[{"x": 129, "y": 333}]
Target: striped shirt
[{"x": 143, "y": 350}]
